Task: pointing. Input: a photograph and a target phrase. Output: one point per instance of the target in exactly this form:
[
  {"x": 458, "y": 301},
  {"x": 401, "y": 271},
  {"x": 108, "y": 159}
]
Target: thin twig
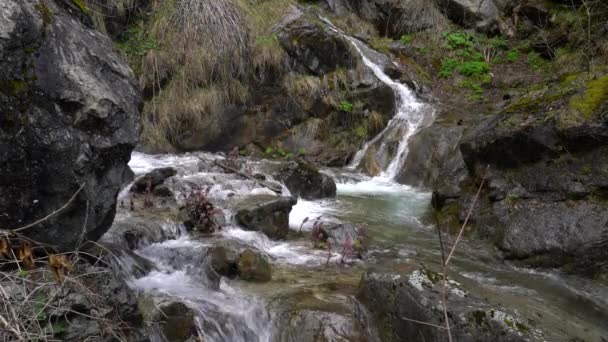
[{"x": 51, "y": 214}]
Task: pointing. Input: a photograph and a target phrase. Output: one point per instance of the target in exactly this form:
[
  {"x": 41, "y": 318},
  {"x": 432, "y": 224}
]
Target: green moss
[
  {"x": 13, "y": 87},
  {"x": 81, "y": 5},
  {"x": 45, "y": 12},
  {"x": 361, "y": 131},
  {"x": 595, "y": 95},
  {"x": 509, "y": 323},
  {"x": 479, "y": 316},
  {"x": 380, "y": 44},
  {"x": 522, "y": 327}
]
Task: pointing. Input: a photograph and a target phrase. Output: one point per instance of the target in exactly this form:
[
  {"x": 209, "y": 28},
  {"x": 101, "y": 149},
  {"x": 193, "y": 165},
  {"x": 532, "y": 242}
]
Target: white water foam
[{"x": 410, "y": 117}]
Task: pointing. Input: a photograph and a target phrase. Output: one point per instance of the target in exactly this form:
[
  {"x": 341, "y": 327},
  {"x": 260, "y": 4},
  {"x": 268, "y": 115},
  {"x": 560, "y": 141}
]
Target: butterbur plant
[{"x": 201, "y": 211}]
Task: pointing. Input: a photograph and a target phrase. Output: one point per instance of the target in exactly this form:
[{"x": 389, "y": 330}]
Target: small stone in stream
[
  {"x": 162, "y": 191},
  {"x": 303, "y": 179},
  {"x": 267, "y": 214},
  {"x": 253, "y": 266},
  {"x": 222, "y": 261},
  {"x": 176, "y": 321},
  {"x": 156, "y": 177}
]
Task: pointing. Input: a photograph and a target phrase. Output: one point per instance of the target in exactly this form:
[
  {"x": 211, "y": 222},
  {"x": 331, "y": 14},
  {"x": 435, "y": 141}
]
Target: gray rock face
[
  {"x": 397, "y": 17},
  {"x": 434, "y": 158},
  {"x": 546, "y": 190},
  {"x": 415, "y": 294},
  {"x": 316, "y": 47},
  {"x": 479, "y": 14},
  {"x": 267, "y": 214},
  {"x": 303, "y": 179},
  {"x": 69, "y": 117}
]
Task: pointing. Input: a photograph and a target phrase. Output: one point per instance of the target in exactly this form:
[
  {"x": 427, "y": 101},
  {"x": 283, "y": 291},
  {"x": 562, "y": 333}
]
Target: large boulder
[
  {"x": 396, "y": 300},
  {"x": 318, "y": 48},
  {"x": 434, "y": 159},
  {"x": 303, "y": 179},
  {"x": 546, "y": 186},
  {"x": 480, "y": 14},
  {"x": 394, "y": 18},
  {"x": 266, "y": 214},
  {"x": 69, "y": 119}
]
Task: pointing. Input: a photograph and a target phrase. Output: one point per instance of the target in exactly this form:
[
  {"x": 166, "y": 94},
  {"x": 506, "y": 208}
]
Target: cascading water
[{"x": 411, "y": 114}]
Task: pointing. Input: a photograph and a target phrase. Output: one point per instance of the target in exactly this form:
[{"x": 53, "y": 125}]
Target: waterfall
[{"x": 411, "y": 114}]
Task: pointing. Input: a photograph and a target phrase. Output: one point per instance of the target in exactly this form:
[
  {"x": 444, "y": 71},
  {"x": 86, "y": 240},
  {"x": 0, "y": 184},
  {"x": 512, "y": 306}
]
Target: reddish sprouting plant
[
  {"x": 347, "y": 248},
  {"x": 201, "y": 211},
  {"x": 361, "y": 243},
  {"x": 234, "y": 153},
  {"x": 148, "y": 196}
]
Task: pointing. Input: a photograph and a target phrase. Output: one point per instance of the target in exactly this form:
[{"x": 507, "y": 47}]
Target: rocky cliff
[{"x": 69, "y": 121}]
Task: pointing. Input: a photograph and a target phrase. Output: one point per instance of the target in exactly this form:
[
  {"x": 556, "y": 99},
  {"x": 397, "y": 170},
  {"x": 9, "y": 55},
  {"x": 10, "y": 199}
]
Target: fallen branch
[
  {"x": 449, "y": 257},
  {"x": 244, "y": 175},
  {"x": 51, "y": 214}
]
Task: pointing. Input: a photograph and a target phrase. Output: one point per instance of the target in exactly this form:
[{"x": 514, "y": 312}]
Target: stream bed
[{"x": 312, "y": 294}]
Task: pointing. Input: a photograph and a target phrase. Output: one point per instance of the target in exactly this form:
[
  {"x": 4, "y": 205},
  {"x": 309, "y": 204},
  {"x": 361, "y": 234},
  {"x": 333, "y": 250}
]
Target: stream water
[{"x": 311, "y": 296}]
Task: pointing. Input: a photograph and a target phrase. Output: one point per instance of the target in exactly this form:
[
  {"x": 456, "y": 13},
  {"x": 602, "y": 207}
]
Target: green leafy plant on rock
[{"x": 346, "y": 106}]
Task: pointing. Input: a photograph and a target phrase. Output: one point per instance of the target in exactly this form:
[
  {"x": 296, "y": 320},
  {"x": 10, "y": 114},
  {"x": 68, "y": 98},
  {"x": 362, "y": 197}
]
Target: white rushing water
[{"x": 411, "y": 114}]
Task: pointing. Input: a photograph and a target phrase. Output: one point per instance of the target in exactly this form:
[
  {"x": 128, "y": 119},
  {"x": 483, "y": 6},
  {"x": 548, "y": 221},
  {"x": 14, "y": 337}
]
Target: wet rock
[
  {"x": 70, "y": 118},
  {"x": 223, "y": 260},
  {"x": 155, "y": 177},
  {"x": 434, "y": 159},
  {"x": 162, "y": 191},
  {"x": 135, "y": 231},
  {"x": 303, "y": 179},
  {"x": 253, "y": 266},
  {"x": 267, "y": 214},
  {"x": 176, "y": 321},
  {"x": 414, "y": 293}
]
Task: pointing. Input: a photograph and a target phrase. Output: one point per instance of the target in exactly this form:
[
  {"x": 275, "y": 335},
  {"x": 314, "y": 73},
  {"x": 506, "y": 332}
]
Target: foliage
[
  {"x": 81, "y": 5},
  {"x": 473, "y": 68},
  {"x": 346, "y": 106},
  {"x": 535, "y": 61},
  {"x": 45, "y": 12},
  {"x": 406, "y": 39},
  {"x": 448, "y": 65},
  {"x": 380, "y": 44},
  {"x": 201, "y": 211},
  {"x": 513, "y": 56},
  {"x": 459, "y": 40},
  {"x": 595, "y": 95},
  {"x": 361, "y": 131},
  {"x": 137, "y": 42},
  {"x": 499, "y": 42}
]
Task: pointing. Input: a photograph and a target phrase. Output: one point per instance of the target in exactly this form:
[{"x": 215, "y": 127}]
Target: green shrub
[
  {"x": 474, "y": 69},
  {"x": 380, "y": 44},
  {"x": 269, "y": 151},
  {"x": 302, "y": 151},
  {"x": 406, "y": 39},
  {"x": 448, "y": 65},
  {"x": 361, "y": 131},
  {"x": 459, "y": 40},
  {"x": 346, "y": 106},
  {"x": 535, "y": 61},
  {"x": 499, "y": 42},
  {"x": 513, "y": 56}
]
